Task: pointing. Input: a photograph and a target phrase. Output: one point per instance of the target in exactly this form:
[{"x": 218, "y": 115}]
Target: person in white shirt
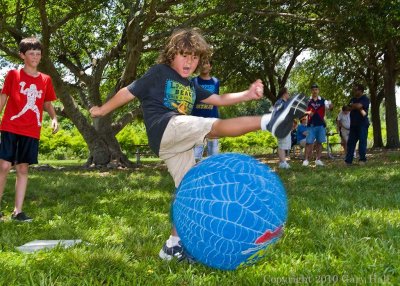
[{"x": 343, "y": 126}]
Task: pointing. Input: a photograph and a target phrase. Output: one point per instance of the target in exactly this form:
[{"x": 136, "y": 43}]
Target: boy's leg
[
  {"x": 27, "y": 153},
  {"x": 212, "y": 147},
  {"x": 320, "y": 138},
  {"x": 7, "y": 156},
  {"x": 20, "y": 186},
  {"x": 362, "y": 143},
  {"x": 234, "y": 126},
  {"x": 5, "y": 167},
  {"x": 351, "y": 146},
  {"x": 176, "y": 149},
  {"x": 309, "y": 145},
  {"x": 198, "y": 151},
  {"x": 279, "y": 123}
]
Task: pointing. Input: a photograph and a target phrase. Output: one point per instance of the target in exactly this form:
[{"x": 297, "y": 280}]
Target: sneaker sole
[
  {"x": 165, "y": 256},
  {"x": 283, "y": 116}
]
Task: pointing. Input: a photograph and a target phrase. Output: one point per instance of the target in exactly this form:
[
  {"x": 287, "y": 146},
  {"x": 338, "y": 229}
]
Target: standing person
[
  {"x": 210, "y": 83},
  {"x": 167, "y": 97},
  {"x": 343, "y": 126},
  {"x": 316, "y": 125},
  {"x": 359, "y": 124},
  {"x": 26, "y": 92},
  {"x": 284, "y": 144}
]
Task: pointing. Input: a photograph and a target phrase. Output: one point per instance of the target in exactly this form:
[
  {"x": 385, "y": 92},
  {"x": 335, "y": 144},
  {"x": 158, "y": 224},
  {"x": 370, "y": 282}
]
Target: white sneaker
[
  {"x": 305, "y": 163},
  {"x": 284, "y": 165},
  {"x": 319, "y": 163}
]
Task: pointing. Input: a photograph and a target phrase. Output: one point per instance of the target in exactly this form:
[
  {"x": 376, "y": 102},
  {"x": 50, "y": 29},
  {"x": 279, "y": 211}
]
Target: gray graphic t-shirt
[{"x": 163, "y": 93}]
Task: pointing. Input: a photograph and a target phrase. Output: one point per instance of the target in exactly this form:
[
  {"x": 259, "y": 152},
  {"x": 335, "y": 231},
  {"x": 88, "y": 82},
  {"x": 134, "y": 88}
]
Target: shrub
[
  {"x": 65, "y": 144},
  {"x": 253, "y": 142}
]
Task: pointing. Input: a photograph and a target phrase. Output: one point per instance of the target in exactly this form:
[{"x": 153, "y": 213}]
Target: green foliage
[
  {"x": 259, "y": 142},
  {"x": 343, "y": 226},
  {"x": 259, "y": 107},
  {"x": 65, "y": 144},
  {"x": 132, "y": 134}
]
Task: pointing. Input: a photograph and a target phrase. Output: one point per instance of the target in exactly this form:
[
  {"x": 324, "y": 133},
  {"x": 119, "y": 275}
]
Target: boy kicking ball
[{"x": 167, "y": 97}]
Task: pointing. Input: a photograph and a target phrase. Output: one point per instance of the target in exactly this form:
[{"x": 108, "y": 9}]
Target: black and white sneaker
[
  {"x": 177, "y": 251},
  {"x": 1, "y": 216},
  {"x": 21, "y": 217},
  {"x": 281, "y": 122}
]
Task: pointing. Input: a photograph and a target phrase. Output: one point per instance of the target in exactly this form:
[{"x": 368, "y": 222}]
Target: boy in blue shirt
[
  {"x": 210, "y": 83},
  {"x": 167, "y": 98}
]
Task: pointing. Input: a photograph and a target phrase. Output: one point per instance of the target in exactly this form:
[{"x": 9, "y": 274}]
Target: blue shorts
[
  {"x": 18, "y": 149},
  {"x": 316, "y": 133}
]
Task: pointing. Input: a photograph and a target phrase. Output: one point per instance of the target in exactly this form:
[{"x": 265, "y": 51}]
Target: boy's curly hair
[
  {"x": 182, "y": 41},
  {"x": 30, "y": 43}
]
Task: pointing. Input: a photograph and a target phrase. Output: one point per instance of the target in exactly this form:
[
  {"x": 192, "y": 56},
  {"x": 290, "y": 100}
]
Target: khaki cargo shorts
[{"x": 183, "y": 132}]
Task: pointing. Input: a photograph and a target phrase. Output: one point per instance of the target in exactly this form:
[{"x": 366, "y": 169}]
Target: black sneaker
[
  {"x": 177, "y": 251},
  {"x": 281, "y": 122},
  {"x": 22, "y": 217}
]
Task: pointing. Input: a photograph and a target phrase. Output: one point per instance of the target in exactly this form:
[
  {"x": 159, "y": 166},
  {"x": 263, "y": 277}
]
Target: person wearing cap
[{"x": 316, "y": 109}]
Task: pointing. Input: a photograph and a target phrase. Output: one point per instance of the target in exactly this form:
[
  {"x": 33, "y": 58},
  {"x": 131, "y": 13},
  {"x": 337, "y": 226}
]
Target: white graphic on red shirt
[{"x": 31, "y": 94}]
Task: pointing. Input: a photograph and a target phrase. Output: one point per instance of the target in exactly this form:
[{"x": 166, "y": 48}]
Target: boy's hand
[
  {"x": 256, "y": 90},
  {"x": 54, "y": 125},
  {"x": 95, "y": 111}
]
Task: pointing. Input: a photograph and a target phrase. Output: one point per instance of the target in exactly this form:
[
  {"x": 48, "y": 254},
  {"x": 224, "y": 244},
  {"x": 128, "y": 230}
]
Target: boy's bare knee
[
  {"x": 5, "y": 166},
  {"x": 214, "y": 130},
  {"x": 22, "y": 169}
]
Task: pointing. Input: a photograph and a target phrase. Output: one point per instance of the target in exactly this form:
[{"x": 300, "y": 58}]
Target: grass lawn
[{"x": 343, "y": 228}]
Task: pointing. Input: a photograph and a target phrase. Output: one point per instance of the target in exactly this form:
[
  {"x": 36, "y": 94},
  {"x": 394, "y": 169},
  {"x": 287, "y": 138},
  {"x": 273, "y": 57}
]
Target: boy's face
[
  {"x": 315, "y": 91},
  {"x": 185, "y": 64},
  {"x": 31, "y": 58},
  {"x": 205, "y": 68}
]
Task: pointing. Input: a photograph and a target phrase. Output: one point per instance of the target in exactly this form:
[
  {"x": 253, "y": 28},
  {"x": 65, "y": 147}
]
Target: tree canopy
[{"x": 95, "y": 47}]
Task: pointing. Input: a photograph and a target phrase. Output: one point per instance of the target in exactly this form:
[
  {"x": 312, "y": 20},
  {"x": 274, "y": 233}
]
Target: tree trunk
[
  {"x": 390, "y": 75},
  {"x": 100, "y": 137},
  {"x": 375, "y": 115}
]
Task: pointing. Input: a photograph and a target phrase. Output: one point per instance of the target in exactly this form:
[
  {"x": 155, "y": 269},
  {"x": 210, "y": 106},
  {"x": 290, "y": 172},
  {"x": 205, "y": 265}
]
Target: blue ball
[{"x": 228, "y": 209}]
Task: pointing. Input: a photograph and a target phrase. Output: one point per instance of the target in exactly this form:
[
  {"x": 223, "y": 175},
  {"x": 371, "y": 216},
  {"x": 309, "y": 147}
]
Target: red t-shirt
[{"x": 25, "y": 98}]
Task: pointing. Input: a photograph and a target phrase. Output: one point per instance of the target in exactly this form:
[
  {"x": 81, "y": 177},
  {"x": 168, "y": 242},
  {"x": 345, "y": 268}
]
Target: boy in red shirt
[{"x": 26, "y": 92}]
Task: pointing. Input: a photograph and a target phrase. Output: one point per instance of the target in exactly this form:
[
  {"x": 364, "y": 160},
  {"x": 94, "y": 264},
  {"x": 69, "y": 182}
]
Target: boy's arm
[
  {"x": 255, "y": 91},
  {"x": 356, "y": 106},
  {"x": 48, "y": 106},
  {"x": 3, "y": 100},
  {"x": 122, "y": 97}
]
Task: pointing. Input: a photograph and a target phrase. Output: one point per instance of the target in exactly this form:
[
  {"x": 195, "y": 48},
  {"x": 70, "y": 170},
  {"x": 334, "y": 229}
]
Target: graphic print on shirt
[
  {"x": 315, "y": 105},
  {"x": 211, "y": 88},
  {"x": 31, "y": 95},
  {"x": 179, "y": 97}
]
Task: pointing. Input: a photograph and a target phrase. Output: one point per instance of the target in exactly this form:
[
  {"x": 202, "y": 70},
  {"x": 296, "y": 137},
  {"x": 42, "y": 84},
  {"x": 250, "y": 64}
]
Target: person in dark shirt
[
  {"x": 359, "y": 124},
  {"x": 167, "y": 97},
  {"x": 210, "y": 83}
]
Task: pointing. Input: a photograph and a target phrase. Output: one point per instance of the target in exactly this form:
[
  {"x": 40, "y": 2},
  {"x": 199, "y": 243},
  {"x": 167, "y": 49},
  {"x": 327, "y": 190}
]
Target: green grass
[{"x": 343, "y": 229}]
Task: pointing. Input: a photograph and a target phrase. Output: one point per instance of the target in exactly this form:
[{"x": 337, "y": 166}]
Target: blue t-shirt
[
  {"x": 356, "y": 118},
  {"x": 163, "y": 93},
  {"x": 202, "y": 109},
  {"x": 300, "y": 129}
]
